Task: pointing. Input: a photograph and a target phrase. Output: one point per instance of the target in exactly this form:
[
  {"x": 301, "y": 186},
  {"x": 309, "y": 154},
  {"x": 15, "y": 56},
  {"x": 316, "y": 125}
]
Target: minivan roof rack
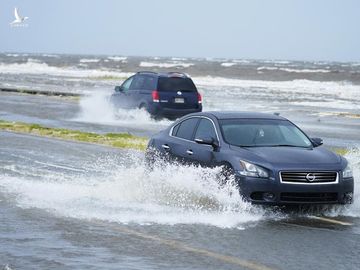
[
  {"x": 177, "y": 73},
  {"x": 146, "y": 72}
]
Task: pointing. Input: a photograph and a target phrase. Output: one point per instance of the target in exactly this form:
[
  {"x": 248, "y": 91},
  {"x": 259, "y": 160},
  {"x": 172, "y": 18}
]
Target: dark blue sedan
[{"x": 273, "y": 161}]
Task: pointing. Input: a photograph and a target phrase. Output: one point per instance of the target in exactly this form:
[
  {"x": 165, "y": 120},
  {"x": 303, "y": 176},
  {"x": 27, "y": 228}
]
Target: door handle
[
  {"x": 166, "y": 147},
  {"x": 189, "y": 152}
]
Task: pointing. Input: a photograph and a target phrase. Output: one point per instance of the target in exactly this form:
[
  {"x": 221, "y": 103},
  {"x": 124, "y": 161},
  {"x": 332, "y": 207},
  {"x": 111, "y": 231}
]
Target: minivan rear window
[{"x": 174, "y": 84}]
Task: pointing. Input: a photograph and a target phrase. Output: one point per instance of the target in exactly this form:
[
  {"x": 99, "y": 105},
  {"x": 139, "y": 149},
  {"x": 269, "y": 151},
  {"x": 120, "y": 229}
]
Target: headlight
[
  {"x": 253, "y": 170},
  {"x": 347, "y": 172}
]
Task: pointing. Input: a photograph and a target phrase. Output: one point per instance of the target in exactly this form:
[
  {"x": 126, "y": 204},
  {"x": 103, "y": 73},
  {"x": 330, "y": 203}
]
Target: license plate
[{"x": 179, "y": 100}]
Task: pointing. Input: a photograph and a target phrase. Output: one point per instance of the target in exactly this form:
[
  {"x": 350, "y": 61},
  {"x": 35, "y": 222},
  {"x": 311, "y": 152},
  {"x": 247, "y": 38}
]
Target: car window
[
  {"x": 186, "y": 128},
  {"x": 205, "y": 129},
  {"x": 126, "y": 85},
  {"x": 175, "y": 129},
  {"x": 174, "y": 84},
  {"x": 149, "y": 83},
  {"x": 262, "y": 132},
  {"x": 137, "y": 83}
]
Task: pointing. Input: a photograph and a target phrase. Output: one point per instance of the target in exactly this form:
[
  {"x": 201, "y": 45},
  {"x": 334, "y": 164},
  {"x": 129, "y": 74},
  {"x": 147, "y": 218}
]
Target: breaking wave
[
  {"x": 173, "y": 64},
  {"x": 36, "y": 67}
]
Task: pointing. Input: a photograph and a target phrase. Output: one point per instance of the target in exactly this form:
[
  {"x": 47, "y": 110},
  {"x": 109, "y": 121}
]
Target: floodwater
[{"x": 68, "y": 205}]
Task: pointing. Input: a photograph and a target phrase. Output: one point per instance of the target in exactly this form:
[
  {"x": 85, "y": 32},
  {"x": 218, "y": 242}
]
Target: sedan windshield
[{"x": 263, "y": 132}]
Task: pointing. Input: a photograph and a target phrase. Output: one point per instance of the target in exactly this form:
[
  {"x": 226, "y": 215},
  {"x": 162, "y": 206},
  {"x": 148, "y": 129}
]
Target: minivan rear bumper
[
  {"x": 272, "y": 192},
  {"x": 170, "y": 112}
]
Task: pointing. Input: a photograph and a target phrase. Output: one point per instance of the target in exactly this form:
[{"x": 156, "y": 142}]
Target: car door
[
  {"x": 134, "y": 91},
  {"x": 121, "y": 97},
  {"x": 201, "y": 153},
  {"x": 181, "y": 140}
]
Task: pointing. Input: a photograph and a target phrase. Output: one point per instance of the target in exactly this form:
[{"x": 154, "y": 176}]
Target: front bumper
[{"x": 271, "y": 191}]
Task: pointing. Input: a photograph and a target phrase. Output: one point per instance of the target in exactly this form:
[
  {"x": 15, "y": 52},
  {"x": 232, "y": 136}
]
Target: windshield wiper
[{"x": 286, "y": 145}]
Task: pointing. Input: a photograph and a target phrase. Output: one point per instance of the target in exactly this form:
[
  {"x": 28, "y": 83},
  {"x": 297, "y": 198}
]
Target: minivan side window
[
  {"x": 149, "y": 83},
  {"x": 137, "y": 83},
  {"x": 205, "y": 129},
  {"x": 143, "y": 82},
  {"x": 126, "y": 85},
  {"x": 186, "y": 128}
]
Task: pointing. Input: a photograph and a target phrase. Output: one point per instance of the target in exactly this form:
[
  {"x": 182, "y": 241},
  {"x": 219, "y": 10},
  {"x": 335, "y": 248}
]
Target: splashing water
[
  {"x": 119, "y": 189},
  {"x": 352, "y": 210},
  {"x": 97, "y": 108},
  {"x": 112, "y": 191}
]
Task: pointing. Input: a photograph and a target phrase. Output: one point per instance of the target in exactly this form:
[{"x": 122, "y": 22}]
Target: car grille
[
  {"x": 308, "y": 177},
  {"x": 308, "y": 197}
]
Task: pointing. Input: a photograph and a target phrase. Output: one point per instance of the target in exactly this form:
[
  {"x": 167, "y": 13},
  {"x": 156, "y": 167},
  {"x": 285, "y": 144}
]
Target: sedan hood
[{"x": 290, "y": 155}]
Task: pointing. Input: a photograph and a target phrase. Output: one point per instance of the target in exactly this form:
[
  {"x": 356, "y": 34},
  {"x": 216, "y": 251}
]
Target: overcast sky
[{"x": 267, "y": 29}]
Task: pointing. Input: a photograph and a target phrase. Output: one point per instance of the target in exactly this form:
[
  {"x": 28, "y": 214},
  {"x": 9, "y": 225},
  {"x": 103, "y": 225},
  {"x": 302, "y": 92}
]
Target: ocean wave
[
  {"x": 118, "y": 58},
  {"x": 12, "y": 55},
  {"x": 174, "y": 64},
  {"x": 85, "y": 60},
  {"x": 341, "y": 89},
  {"x": 228, "y": 64},
  {"x": 178, "y": 58},
  {"x": 50, "y": 55},
  {"x": 32, "y": 67},
  {"x": 292, "y": 70},
  {"x": 275, "y": 61}
]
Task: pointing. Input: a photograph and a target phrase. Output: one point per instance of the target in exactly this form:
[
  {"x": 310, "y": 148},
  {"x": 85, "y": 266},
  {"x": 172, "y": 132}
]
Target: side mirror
[
  {"x": 208, "y": 141},
  {"x": 118, "y": 89},
  {"x": 317, "y": 141}
]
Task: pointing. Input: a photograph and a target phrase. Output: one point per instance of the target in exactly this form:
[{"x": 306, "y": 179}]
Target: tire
[{"x": 143, "y": 106}]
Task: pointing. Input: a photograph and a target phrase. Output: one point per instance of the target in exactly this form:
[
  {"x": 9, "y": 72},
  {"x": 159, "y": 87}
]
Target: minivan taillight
[
  {"x": 199, "y": 98},
  {"x": 155, "y": 96}
]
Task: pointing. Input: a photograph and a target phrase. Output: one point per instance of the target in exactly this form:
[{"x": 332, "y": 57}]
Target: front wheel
[{"x": 226, "y": 174}]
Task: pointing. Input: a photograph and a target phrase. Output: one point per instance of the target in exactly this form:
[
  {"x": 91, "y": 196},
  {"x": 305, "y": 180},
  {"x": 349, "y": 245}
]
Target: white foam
[
  {"x": 276, "y": 61},
  {"x": 292, "y": 70},
  {"x": 118, "y": 58},
  {"x": 352, "y": 210},
  {"x": 85, "y": 60},
  {"x": 178, "y": 59},
  {"x": 32, "y": 67},
  {"x": 96, "y": 108},
  {"x": 51, "y": 55},
  {"x": 228, "y": 64},
  {"x": 171, "y": 194},
  {"x": 267, "y": 68},
  {"x": 230, "y": 91},
  {"x": 174, "y": 64},
  {"x": 12, "y": 54}
]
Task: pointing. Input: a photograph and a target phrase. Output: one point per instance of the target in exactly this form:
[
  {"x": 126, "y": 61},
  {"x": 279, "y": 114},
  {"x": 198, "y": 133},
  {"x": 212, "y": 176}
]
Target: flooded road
[
  {"x": 67, "y": 205},
  {"x": 94, "y": 113}
]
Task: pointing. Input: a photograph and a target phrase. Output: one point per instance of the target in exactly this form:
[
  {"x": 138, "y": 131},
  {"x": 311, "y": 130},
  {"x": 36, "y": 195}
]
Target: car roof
[
  {"x": 165, "y": 74},
  {"x": 239, "y": 114}
]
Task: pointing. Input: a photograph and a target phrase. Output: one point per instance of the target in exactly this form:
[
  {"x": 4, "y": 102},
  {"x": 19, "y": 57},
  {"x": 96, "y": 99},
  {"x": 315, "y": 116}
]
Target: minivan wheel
[{"x": 143, "y": 107}]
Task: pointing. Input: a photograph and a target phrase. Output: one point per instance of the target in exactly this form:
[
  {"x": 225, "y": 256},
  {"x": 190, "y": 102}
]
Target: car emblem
[
  {"x": 179, "y": 93},
  {"x": 310, "y": 177}
]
